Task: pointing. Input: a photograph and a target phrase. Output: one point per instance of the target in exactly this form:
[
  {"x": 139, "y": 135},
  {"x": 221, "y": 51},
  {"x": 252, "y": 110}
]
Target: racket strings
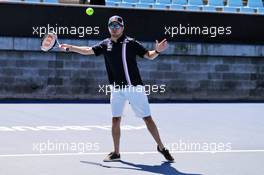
[{"x": 48, "y": 42}]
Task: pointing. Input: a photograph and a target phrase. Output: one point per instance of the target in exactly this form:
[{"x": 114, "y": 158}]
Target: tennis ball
[{"x": 90, "y": 11}]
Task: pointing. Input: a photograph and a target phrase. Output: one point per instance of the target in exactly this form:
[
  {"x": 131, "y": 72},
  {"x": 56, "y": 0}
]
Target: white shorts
[{"x": 135, "y": 95}]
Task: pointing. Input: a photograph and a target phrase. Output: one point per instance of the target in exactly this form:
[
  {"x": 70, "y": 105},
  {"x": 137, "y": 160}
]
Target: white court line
[{"x": 141, "y": 153}]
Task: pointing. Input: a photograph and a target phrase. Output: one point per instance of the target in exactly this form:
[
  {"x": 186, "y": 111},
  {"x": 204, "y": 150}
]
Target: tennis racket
[{"x": 49, "y": 41}]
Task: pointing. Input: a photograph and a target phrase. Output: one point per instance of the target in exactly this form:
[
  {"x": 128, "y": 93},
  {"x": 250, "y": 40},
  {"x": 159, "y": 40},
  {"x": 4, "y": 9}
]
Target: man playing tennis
[{"x": 120, "y": 53}]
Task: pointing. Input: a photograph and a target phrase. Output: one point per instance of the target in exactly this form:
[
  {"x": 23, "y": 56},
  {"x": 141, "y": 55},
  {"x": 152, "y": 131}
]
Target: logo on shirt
[{"x": 109, "y": 46}]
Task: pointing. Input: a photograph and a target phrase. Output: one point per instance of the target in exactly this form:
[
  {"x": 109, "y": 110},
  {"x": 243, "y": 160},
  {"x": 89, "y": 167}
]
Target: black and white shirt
[{"x": 120, "y": 59}]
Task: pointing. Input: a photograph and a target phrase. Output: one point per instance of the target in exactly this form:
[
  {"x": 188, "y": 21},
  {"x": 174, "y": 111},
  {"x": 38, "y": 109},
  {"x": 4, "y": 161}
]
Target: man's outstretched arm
[
  {"x": 160, "y": 47},
  {"x": 84, "y": 50}
]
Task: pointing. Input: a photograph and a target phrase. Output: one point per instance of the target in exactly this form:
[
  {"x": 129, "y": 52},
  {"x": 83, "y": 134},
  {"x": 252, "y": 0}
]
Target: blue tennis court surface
[{"x": 67, "y": 139}]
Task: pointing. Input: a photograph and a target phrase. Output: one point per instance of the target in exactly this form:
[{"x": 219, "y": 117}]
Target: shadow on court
[{"x": 165, "y": 168}]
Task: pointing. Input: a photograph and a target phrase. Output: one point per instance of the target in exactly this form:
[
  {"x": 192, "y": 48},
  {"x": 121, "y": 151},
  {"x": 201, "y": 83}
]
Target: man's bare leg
[
  {"x": 116, "y": 133},
  {"x": 153, "y": 130},
  {"x": 155, "y": 133},
  {"x": 115, "y": 155}
]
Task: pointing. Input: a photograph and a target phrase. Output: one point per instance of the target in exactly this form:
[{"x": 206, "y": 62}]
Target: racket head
[{"x": 48, "y": 41}]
